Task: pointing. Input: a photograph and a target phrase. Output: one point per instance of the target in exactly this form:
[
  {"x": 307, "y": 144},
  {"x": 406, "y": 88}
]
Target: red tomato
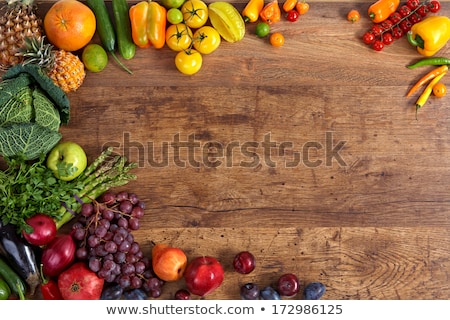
[
  {"x": 78, "y": 282},
  {"x": 378, "y": 45},
  {"x": 368, "y": 37},
  {"x": 388, "y": 38},
  {"x": 292, "y": 15},
  {"x": 434, "y": 6}
]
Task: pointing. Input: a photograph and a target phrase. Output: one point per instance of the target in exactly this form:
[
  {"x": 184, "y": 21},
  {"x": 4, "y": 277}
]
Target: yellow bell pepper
[{"x": 430, "y": 35}]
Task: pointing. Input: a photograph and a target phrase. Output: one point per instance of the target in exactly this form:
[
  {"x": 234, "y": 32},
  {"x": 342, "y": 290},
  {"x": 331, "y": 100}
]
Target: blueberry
[
  {"x": 250, "y": 291},
  {"x": 269, "y": 293},
  {"x": 314, "y": 291}
]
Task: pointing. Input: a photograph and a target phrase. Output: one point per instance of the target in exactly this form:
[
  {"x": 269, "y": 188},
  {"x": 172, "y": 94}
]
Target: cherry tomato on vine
[
  {"x": 412, "y": 4},
  {"x": 276, "y": 39},
  {"x": 377, "y": 29},
  {"x": 378, "y": 45},
  {"x": 404, "y": 10},
  {"x": 397, "y": 32},
  {"x": 206, "y": 40},
  {"x": 368, "y": 37},
  {"x": 415, "y": 18},
  {"x": 292, "y": 15},
  {"x": 439, "y": 90},
  {"x": 395, "y": 17},
  {"x": 387, "y": 38},
  {"x": 188, "y": 62},
  {"x": 434, "y": 6},
  {"x": 406, "y": 25},
  {"x": 423, "y": 11}
]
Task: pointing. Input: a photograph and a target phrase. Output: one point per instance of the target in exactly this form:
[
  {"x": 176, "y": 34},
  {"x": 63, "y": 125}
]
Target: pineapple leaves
[{"x": 32, "y": 108}]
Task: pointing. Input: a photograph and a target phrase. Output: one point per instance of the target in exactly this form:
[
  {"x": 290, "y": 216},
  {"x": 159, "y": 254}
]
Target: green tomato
[
  {"x": 188, "y": 62},
  {"x": 172, "y": 3},
  {"x": 262, "y": 29},
  {"x": 174, "y": 16}
]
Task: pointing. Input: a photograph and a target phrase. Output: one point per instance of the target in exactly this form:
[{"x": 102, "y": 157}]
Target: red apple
[
  {"x": 44, "y": 230},
  {"x": 168, "y": 262},
  {"x": 203, "y": 275}
]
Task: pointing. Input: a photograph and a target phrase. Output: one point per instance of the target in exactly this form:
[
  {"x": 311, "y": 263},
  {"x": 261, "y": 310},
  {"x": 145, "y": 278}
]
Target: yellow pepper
[
  {"x": 430, "y": 35},
  {"x": 252, "y": 10}
]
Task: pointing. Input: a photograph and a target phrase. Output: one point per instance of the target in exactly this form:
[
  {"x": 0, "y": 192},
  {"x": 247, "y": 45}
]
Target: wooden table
[{"x": 308, "y": 155}]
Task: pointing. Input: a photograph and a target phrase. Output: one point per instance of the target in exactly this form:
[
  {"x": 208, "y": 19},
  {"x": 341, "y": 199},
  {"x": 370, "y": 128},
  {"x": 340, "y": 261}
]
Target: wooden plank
[{"x": 309, "y": 155}]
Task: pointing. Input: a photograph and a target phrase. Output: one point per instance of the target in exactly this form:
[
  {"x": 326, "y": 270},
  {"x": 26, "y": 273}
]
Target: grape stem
[{"x": 105, "y": 172}]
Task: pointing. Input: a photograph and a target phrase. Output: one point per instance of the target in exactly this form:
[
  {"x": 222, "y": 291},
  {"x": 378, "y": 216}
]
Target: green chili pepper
[{"x": 433, "y": 61}]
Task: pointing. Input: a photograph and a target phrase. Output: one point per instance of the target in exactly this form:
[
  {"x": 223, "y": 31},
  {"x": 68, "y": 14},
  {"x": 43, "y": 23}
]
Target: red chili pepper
[{"x": 49, "y": 289}]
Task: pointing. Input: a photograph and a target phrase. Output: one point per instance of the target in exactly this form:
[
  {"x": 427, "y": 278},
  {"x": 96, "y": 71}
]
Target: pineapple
[
  {"x": 18, "y": 20},
  {"x": 63, "y": 67}
]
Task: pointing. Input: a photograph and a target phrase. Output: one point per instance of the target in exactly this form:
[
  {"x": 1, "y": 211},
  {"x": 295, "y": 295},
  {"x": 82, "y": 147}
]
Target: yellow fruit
[
  {"x": 227, "y": 20},
  {"x": 94, "y": 57}
]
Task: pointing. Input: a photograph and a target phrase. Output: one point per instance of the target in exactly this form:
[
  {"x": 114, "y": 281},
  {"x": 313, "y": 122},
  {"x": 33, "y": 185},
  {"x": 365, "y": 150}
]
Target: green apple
[{"x": 67, "y": 160}]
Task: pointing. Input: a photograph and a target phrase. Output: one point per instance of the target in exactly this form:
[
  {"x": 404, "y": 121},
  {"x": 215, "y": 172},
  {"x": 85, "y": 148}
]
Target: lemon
[
  {"x": 227, "y": 20},
  {"x": 94, "y": 57}
]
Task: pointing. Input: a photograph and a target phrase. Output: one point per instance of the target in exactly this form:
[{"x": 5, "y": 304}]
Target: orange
[{"x": 69, "y": 25}]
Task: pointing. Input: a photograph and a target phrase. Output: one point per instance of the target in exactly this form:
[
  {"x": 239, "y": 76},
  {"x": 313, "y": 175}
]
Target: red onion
[{"x": 58, "y": 255}]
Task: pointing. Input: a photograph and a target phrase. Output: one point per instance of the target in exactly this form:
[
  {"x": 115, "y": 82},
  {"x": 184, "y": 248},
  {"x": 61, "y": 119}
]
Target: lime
[
  {"x": 262, "y": 29},
  {"x": 94, "y": 57},
  {"x": 174, "y": 16},
  {"x": 227, "y": 20},
  {"x": 172, "y": 3}
]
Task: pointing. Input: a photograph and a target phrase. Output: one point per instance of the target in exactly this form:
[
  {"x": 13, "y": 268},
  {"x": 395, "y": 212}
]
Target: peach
[{"x": 169, "y": 263}]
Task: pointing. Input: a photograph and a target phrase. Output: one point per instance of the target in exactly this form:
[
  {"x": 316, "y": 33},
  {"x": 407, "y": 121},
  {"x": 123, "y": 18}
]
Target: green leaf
[
  {"x": 45, "y": 113},
  {"x": 30, "y": 140}
]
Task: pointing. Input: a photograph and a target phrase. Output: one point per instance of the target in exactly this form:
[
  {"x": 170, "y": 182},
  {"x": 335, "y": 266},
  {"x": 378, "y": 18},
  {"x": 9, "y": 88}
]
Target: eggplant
[{"x": 20, "y": 255}]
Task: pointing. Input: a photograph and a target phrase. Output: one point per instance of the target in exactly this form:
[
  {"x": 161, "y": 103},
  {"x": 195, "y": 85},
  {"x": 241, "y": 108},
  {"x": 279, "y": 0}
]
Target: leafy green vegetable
[
  {"x": 57, "y": 95},
  {"x": 9, "y": 87},
  {"x": 45, "y": 114},
  {"x": 19, "y": 108},
  {"x": 32, "y": 109},
  {"x": 27, "y": 140},
  {"x": 27, "y": 188}
]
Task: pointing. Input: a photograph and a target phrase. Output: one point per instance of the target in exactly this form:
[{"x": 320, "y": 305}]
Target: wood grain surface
[{"x": 308, "y": 155}]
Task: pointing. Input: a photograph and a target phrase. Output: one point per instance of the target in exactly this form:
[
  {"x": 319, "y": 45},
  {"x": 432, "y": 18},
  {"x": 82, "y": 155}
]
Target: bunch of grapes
[
  {"x": 399, "y": 23},
  {"x": 104, "y": 239}
]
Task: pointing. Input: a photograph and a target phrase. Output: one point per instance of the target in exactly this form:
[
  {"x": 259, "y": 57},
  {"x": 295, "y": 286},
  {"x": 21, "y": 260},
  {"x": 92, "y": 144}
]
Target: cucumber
[
  {"x": 4, "y": 290},
  {"x": 14, "y": 282},
  {"x": 127, "y": 48},
  {"x": 105, "y": 29}
]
